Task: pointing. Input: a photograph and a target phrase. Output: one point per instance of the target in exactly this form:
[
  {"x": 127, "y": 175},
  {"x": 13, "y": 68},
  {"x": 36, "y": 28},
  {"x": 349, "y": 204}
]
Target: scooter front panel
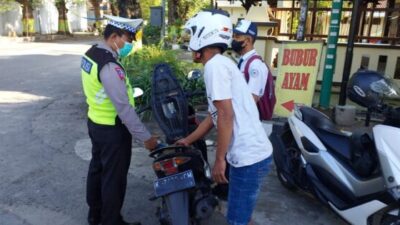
[{"x": 387, "y": 142}]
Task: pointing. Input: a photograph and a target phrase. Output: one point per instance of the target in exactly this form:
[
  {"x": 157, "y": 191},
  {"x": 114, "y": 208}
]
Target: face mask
[
  {"x": 125, "y": 50},
  {"x": 237, "y": 46}
]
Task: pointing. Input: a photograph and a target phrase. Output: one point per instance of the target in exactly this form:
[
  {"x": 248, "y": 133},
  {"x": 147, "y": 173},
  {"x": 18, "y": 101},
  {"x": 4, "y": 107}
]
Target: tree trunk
[
  {"x": 172, "y": 11},
  {"x": 96, "y": 7},
  {"x": 63, "y": 27},
  {"x": 114, "y": 9},
  {"x": 135, "y": 10},
  {"x": 28, "y": 22},
  {"x": 183, "y": 10},
  {"x": 123, "y": 8}
]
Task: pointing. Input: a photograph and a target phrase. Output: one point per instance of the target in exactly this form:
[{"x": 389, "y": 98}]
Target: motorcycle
[
  {"x": 356, "y": 174},
  {"x": 184, "y": 182}
]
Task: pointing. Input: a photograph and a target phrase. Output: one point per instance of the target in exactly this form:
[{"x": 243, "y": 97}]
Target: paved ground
[{"x": 44, "y": 148}]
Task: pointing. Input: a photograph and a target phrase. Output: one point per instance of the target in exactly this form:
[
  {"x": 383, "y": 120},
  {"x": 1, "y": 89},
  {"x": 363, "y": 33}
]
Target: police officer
[
  {"x": 112, "y": 121},
  {"x": 244, "y": 36}
]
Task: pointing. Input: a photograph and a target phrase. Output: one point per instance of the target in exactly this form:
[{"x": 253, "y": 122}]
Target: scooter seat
[
  {"x": 357, "y": 151},
  {"x": 336, "y": 142}
]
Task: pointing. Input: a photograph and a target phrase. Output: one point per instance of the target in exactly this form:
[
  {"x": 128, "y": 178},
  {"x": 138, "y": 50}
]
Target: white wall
[
  {"x": 11, "y": 21},
  {"x": 46, "y": 19},
  {"x": 77, "y": 17}
]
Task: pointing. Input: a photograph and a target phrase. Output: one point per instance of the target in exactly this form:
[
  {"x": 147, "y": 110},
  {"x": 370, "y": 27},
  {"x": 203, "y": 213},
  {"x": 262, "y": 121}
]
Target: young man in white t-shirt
[{"x": 232, "y": 110}]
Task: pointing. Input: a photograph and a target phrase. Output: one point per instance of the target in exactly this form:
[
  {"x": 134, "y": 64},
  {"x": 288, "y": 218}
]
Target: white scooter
[{"x": 355, "y": 174}]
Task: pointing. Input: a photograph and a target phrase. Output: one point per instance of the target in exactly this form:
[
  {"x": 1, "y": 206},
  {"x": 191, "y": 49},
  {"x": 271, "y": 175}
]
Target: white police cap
[{"x": 131, "y": 25}]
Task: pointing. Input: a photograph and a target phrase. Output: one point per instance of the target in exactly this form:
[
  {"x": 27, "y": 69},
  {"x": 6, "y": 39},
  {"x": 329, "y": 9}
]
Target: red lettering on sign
[
  {"x": 286, "y": 59},
  {"x": 313, "y": 57},
  {"x": 296, "y": 85},
  {"x": 304, "y": 81},
  {"x": 295, "y": 81},
  {"x": 285, "y": 82},
  {"x": 298, "y": 57},
  {"x": 292, "y": 76}
]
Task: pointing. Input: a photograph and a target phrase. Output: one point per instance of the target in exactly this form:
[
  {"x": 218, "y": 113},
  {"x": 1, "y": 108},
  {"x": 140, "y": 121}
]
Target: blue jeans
[{"x": 244, "y": 186}]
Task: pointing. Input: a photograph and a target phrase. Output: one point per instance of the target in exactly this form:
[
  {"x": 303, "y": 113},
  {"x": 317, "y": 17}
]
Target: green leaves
[
  {"x": 140, "y": 66},
  {"x": 151, "y": 35},
  {"x": 7, "y": 5}
]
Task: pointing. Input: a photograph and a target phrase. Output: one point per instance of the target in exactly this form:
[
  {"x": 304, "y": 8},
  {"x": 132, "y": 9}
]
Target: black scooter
[{"x": 184, "y": 175}]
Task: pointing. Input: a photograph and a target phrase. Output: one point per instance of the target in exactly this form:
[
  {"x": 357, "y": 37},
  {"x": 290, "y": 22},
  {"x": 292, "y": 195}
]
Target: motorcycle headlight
[{"x": 395, "y": 192}]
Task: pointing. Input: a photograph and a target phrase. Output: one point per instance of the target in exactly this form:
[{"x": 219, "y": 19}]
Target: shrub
[
  {"x": 140, "y": 66},
  {"x": 151, "y": 35}
]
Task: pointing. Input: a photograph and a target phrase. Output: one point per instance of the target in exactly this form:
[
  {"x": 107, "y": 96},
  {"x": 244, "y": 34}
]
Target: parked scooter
[
  {"x": 357, "y": 175},
  {"x": 184, "y": 175}
]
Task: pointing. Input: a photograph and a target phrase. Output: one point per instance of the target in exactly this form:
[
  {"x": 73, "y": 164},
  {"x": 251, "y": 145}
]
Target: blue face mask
[{"x": 124, "y": 51}]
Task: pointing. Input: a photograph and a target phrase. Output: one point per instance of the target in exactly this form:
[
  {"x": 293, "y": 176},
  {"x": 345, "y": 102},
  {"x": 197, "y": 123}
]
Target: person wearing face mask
[
  {"x": 112, "y": 121},
  {"x": 241, "y": 139},
  {"x": 244, "y": 36}
]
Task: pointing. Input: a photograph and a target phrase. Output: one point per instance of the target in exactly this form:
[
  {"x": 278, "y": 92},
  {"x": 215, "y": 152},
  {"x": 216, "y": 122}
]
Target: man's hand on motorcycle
[
  {"x": 152, "y": 143},
  {"x": 183, "y": 142},
  {"x": 218, "y": 172}
]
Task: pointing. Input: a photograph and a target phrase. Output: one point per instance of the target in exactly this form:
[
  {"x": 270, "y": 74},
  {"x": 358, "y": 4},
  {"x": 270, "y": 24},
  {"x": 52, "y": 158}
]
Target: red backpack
[{"x": 267, "y": 102}]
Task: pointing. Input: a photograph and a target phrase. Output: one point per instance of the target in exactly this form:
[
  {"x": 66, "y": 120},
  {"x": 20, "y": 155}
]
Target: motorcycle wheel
[
  {"x": 284, "y": 181},
  {"x": 384, "y": 217},
  {"x": 391, "y": 220}
]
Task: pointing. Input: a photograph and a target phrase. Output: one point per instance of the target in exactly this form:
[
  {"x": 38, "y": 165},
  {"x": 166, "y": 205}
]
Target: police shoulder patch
[
  {"x": 86, "y": 65},
  {"x": 120, "y": 73}
]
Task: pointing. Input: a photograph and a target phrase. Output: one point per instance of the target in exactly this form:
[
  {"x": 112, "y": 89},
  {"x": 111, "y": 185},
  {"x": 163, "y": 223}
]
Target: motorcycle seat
[
  {"x": 356, "y": 151},
  {"x": 336, "y": 142}
]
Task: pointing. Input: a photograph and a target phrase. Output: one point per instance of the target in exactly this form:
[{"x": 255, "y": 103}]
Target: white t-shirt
[
  {"x": 258, "y": 72},
  {"x": 249, "y": 142}
]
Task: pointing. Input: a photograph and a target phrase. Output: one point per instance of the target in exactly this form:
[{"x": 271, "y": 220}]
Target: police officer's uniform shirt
[
  {"x": 113, "y": 79},
  {"x": 224, "y": 81},
  {"x": 257, "y": 73}
]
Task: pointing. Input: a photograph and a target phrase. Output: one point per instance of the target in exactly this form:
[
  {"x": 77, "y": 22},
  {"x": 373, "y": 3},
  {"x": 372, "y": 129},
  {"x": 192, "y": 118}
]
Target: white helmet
[{"x": 209, "y": 28}]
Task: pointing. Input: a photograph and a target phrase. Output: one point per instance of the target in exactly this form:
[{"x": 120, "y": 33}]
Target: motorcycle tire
[
  {"x": 391, "y": 220},
  {"x": 284, "y": 181}
]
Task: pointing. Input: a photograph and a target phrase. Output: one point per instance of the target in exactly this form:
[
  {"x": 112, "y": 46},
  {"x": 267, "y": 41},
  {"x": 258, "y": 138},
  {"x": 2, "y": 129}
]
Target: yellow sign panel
[{"x": 297, "y": 74}]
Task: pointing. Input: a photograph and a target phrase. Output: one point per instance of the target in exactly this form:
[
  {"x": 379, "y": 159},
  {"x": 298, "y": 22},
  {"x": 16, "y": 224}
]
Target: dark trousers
[{"x": 108, "y": 170}]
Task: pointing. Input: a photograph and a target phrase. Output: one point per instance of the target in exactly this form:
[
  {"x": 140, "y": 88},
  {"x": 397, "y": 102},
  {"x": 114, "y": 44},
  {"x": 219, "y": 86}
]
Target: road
[{"x": 44, "y": 148}]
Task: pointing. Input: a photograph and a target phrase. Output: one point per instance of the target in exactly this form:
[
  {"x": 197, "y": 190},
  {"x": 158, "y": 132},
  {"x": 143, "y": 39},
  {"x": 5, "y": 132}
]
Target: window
[{"x": 382, "y": 64}]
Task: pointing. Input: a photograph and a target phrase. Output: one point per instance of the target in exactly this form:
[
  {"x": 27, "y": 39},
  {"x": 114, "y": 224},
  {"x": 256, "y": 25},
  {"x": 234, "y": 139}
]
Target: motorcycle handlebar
[{"x": 162, "y": 147}]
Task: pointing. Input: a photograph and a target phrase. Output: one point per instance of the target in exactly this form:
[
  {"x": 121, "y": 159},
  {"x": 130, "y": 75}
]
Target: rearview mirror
[
  {"x": 194, "y": 74},
  {"x": 137, "y": 92}
]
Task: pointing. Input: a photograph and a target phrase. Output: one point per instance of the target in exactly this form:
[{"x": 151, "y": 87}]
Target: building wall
[
  {"x": 10, "y": 22},
  {"x": 77, "y": 16},
  {"x": 46, "y": 19}
]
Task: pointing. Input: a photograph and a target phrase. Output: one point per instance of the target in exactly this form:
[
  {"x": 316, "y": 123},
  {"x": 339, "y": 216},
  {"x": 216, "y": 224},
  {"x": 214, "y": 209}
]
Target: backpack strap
[{"x": 247, "y": 66}]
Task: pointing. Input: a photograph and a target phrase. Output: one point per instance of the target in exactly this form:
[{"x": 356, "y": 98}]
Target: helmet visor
[{"x": 386, "y": 87}]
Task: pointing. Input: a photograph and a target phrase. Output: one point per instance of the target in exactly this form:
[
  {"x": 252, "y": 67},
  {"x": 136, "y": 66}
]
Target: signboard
[{"x": 297, "y": 74}]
